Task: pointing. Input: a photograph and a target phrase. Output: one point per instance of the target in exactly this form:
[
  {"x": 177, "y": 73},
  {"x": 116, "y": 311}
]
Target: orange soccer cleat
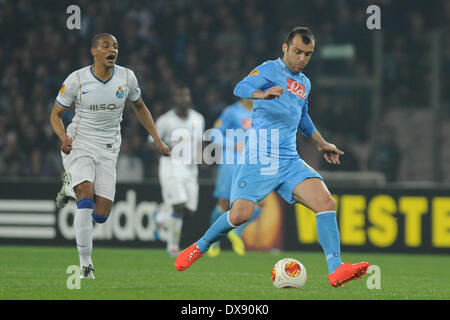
[
  {"x": 347, "y": 272},
  {"x": 187, "y": 257}
]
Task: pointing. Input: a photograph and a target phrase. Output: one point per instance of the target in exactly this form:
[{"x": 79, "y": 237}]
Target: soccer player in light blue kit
[
  {"x": 280, "y": 91},
  {"x": 236, "y": 116}
]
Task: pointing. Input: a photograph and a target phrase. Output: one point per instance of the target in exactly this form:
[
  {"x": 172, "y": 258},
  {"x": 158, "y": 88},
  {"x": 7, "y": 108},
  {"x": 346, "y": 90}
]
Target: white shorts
[
  {"x": 94, "y": 164},
  {"x": 180, "y": 190}
]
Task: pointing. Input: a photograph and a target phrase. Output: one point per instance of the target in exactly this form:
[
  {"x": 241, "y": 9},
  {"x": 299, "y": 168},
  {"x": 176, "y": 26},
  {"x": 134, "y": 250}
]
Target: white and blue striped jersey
[{"x": 98, "y": 105}]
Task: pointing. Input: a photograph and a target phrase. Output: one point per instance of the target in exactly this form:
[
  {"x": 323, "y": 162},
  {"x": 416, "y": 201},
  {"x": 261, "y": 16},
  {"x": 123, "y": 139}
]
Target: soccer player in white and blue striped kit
[{"x": 91, "y": 145}]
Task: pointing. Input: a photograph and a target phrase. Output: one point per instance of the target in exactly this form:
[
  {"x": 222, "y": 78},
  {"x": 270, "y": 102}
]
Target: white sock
[
  {"x": 175, "y": 223},
  {"x": 162, "y": 217},
  {"x": 84, "y": 232}
]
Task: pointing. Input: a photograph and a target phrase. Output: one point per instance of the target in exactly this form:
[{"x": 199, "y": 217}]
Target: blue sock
[
  {"x": 215, "y": 214},
  {"x": 85, "y": 203},
  {"x": 219, "y": 229},
  {"x": 329, "y": 239},
  {"x": 239, "y": 230},
  {"x": 99, "y": 219},
  {"x": 176, "y": 215}
]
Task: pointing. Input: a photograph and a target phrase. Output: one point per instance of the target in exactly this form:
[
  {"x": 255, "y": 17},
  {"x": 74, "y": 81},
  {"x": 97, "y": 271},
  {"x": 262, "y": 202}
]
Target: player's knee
[
  {"x": 88, "y": 203},
  {"x": 84, "y": 190},
  {"x": 240, "y": 215},
  {"x": 327, "y": 204},
  {"x": 102, "y": 209},
  {"x": 101, "y": 213}
]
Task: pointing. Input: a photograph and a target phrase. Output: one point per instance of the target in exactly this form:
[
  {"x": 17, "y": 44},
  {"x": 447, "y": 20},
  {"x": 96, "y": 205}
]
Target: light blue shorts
[{"x": 248, "y": 182}]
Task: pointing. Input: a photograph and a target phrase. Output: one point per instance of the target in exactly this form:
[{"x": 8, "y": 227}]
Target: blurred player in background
[
  {"x": 91, "y": 144},
  {"x": 183, "y": 127},
  {"x": 235, "y": 116},
  {"x": 280, "y": 91}
]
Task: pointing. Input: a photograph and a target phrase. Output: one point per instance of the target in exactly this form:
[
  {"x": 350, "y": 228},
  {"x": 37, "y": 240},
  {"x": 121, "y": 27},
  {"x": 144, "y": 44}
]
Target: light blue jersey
[
  {"x": 235, "y": 116},
  {"x": 284, "y": 115}
]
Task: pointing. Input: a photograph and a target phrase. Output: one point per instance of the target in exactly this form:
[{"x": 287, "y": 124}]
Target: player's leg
[
  {"x": 240, "y": 230},
  {"x": 239, "y": 213},
  {"x": 102, "y": 209},
  {"x": 248, "y": 187},
  {"x": 314, "y": 194},
  {"x": 190, "y": 193},
  {"x": 83, "y": 226},
  {"x": 222, "y": 194},
  {"x": 177, "y": 192},
  {"x": 104, "y": 185},
  {"x": 235, "y": 235},
  {"x": 175, "y": 224},
  {"x": 258, "y": 208},
  {"x": 174, "y": 194},
  {"x": 87, "y": 211},
  {"x": 66, "y": 192},
  {"x": 221, "y": 207},
  {"x": 80, "y": 167},
  {"x": 97, "y": 196},
  {"x": 161, "y": 218}
]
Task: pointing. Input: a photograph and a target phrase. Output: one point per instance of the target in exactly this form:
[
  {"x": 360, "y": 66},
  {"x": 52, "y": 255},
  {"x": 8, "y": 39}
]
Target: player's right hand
[
  {"x": 66, "y": 146},
  {"x": 165, "y": 150},
  {"x": 273, "y": 92}
]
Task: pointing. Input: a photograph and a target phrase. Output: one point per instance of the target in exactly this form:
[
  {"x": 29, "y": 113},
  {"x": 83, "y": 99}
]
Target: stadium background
[{"x": 380, "y": 95}]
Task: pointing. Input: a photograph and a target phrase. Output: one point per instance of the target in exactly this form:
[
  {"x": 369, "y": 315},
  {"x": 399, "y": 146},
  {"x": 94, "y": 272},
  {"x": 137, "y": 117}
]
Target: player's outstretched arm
[
  {"x": 58, "y": 127},
  {"x": 330, "y": 152},
  {"x": 145, "y": 118}
]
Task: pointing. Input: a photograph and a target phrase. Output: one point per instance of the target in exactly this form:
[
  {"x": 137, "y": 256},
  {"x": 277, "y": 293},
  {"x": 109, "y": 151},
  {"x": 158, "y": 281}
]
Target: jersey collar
[
  {"x": 284, "y": 66},
  {"x": 281, "y": 62},
  {"x": 105, "y": 82},
  {"x": 189, "y": 113}
]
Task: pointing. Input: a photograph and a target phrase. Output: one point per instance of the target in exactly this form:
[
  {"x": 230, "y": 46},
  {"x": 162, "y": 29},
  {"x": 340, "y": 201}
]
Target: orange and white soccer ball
[{"x": 289, "y": 273}]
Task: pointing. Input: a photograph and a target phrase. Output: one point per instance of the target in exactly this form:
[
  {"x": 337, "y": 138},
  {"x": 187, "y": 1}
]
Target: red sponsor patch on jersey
[{"x": 296, "y": 88}]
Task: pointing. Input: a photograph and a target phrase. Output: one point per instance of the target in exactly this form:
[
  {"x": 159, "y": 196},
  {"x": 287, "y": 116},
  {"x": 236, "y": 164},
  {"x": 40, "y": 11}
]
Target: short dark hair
[
  {"x": 182, "y": 84},
  {"x": 304, "y": 32},
  {"x": 97, "y": 37}
]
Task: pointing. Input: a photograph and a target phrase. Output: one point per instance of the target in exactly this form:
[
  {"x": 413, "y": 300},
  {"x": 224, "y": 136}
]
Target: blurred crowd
[{"x": 211, "y": 45}]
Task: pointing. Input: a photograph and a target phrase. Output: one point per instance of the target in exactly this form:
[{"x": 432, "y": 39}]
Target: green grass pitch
[{"x": 123, "y": 273}]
